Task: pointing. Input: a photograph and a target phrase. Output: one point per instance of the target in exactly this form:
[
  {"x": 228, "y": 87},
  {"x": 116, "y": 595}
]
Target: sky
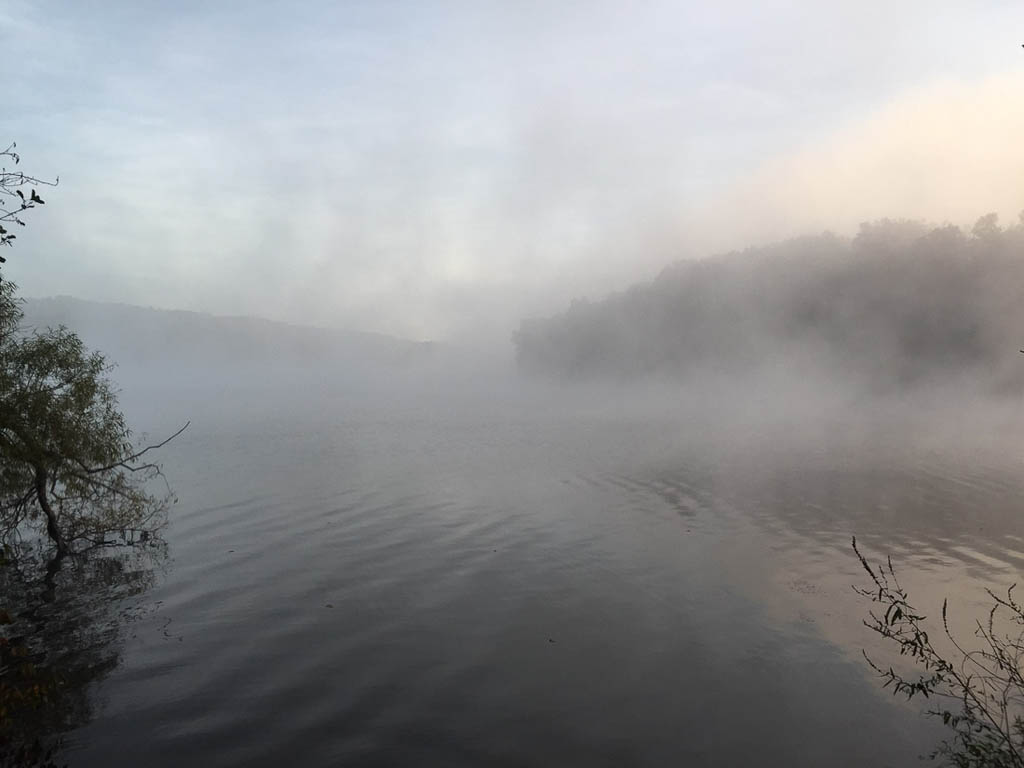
[{"x": 440, "y": 170}]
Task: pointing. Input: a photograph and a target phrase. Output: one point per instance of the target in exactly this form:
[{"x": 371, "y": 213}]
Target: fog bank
[{"x": 901, "y": 305}]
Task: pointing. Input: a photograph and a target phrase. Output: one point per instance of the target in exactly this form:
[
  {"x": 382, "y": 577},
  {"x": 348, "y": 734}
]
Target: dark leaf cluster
[{"x": 14, "y": 201}]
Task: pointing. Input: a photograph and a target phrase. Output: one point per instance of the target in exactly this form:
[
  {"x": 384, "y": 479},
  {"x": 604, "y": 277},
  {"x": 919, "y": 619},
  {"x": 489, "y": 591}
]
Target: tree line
[{"x": 900, "y": 303}]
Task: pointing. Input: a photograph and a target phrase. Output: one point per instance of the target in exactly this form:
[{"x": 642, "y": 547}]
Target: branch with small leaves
[
  {"x": 981, "y": 689},
  {"x": 14, "y": 201}
]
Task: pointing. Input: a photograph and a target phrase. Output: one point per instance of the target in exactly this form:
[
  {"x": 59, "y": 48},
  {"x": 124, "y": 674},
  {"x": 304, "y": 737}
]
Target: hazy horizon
[
  {"x": 440, "y": 171},
  {"x": 498, "y": 382}
]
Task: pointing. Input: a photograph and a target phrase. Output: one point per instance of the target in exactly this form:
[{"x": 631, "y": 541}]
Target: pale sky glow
[{"x": 439, "y": 170}]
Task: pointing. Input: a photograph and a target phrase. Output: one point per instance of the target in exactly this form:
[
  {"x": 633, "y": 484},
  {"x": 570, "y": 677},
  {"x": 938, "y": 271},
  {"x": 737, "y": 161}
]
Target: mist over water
[
  {"x": 631, "y": 546},
  {"x": 540, "y": 361},
  {"x": 418, "y": 561}
]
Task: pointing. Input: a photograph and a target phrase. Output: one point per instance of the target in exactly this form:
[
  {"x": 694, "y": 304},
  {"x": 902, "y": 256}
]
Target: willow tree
[{"x": 67, "y": 461}]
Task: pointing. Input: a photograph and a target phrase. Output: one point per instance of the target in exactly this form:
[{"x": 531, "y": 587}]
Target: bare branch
[{"x": 125, "y": 462}]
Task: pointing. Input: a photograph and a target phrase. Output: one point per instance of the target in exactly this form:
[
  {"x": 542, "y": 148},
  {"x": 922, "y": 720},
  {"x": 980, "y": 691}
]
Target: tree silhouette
[{"x": 13, "y": 199}]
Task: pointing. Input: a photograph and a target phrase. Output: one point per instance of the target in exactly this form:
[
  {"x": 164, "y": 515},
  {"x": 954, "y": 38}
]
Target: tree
[
  {"x": 987, "y": 227},
  {"x": 68, "y": 467},
  {"x": 67, "y": 455},
  {"x": 67, "y": 461},
  {"x": 978, "y": 691}
]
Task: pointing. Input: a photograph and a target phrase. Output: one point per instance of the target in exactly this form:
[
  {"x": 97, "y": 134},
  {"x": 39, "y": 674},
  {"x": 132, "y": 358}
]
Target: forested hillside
[
  {"x": 131, "y": 335},
  {"x": 899, "y": 304}
]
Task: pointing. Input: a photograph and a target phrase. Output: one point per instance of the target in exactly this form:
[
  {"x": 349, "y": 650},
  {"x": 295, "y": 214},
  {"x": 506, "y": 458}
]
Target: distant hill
[
  {"x": 171, "y": 366},
  {"x": 137, "y": 336},
  {"x": 900, "y": 304}
]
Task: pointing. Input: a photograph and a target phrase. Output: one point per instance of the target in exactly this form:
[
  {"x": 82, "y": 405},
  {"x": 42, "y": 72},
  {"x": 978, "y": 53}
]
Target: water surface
[{"x": 454, "y": 587}]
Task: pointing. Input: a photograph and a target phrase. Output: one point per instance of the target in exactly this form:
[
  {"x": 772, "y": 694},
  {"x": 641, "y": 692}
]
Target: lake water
[{"x": 449, "y": 586}]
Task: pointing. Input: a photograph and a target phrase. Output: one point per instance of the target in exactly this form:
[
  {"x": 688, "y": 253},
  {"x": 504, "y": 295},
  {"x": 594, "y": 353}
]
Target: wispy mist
[
  {"x": 441, "y": 170},
  {"x": 899, "y": 306}
]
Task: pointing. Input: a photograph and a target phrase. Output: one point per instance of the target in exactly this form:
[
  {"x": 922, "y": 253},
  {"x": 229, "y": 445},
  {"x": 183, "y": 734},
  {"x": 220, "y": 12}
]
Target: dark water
[{"x": 421, "y": 588}]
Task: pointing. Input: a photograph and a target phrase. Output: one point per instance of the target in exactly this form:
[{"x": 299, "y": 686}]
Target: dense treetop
[{"x": 899, "y": 304}]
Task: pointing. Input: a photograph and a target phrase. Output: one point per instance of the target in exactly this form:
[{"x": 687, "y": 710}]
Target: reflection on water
[
  {"x": 63, "y": 625},
  {"x": 386, "y": 590}
]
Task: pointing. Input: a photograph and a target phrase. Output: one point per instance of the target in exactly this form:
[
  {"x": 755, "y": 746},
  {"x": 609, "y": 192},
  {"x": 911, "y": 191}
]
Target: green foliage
[
  {"x": 68, "y": 464},
  {"x": 978, "y": 692},
  {"x": 66, "y": 453}
]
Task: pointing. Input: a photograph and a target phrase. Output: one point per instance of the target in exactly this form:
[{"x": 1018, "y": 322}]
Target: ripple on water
[{"x": 533, "y": 594}]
